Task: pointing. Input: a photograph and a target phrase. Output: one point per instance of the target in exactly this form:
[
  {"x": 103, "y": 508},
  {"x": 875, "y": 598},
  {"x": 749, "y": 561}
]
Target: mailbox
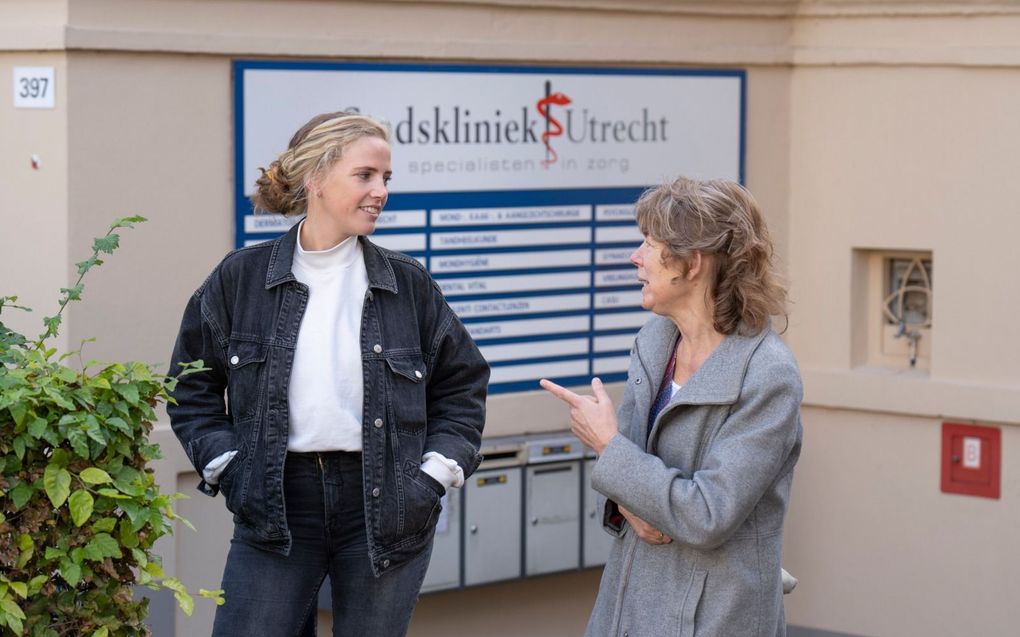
[
  {"x": 492, "y": 515},
  {"x": 552, "y": 505},
  {"x": 444, "y": 567},
  {"x": 597, "y": 542}
]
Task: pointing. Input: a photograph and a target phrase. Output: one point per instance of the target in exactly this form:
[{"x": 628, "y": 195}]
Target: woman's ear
[
  {"x": 695, "y": 264},
  {"x": 312, "y": 186}
]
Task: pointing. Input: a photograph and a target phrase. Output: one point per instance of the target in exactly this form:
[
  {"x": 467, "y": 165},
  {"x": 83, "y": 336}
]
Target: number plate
[{"x": 34, "y": 87}]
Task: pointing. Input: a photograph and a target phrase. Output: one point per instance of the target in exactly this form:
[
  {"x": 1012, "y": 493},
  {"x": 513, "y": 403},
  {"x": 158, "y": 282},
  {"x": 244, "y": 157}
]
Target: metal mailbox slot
[
  {"x": 492, "y": 517},
  {"x": 552, "y": 506},
  {"x": 444, "y": 566},
  {"x": 597, "y": 542}
]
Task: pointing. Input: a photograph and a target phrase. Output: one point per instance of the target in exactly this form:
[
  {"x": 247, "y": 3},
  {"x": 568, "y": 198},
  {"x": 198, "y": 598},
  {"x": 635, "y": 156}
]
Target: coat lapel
[{"x": 716, "y": 382}]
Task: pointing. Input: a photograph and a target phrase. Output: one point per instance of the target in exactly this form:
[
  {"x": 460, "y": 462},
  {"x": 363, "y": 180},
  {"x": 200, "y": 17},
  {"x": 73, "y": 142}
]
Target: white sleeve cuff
[
  {"x": 445, "y": 471},
  {"x": 213, "y": 470}
]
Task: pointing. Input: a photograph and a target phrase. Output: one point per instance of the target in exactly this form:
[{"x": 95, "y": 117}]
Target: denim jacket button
[
  {"x": 417, "y": 374},
  {"x": 378, "y": 422},
  {"x": 385, "y": 563},
  {"x": 637, "y": 382},
  {"x": 234, "y": 360},
  {"x": 377, "y": 348},
  {"x": 376, "y": 492}
]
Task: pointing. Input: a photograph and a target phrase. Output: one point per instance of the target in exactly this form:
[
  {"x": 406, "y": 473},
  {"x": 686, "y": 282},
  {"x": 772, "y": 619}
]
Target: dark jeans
[{"x": 270, "y": 595}]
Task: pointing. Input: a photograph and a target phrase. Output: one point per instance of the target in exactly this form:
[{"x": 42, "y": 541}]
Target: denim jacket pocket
[
  {"x": 246, "y": 369},
  {"x": 407, "y": 392},
  {"x": 421, "y": 505},
  {"x": 232, "y": 482}
]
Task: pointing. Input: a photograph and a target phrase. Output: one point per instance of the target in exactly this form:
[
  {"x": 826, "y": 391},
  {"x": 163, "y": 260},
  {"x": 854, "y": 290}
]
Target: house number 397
[{"x": 33, "y": 87}]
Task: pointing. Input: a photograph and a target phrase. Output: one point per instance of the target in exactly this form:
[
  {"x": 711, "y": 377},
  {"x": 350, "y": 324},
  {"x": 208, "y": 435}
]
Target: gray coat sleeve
[{"x": 751, "y": 449}]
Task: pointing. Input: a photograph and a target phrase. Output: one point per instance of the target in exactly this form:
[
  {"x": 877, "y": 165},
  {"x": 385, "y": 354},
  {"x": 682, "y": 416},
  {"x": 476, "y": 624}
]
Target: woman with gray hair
[
  {"x": 355, "y": 398},
  {"x": 696, "y": 464}
]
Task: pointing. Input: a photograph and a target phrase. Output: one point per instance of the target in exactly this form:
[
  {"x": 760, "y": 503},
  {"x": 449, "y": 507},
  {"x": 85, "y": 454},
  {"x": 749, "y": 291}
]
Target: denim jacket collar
[{"x": 380, "y": 272}]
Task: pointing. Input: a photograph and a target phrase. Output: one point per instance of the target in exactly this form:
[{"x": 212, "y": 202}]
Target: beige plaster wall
[
  {"x": 879, "y": 550},
  {"x": 919, "y": 159},
  {"x": 33, "y": 203},
  {"x": 152, "y": 135}
]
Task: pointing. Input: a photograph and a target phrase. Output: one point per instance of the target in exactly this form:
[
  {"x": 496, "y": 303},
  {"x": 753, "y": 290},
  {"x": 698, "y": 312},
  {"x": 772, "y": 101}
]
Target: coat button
[
  {"x": 234, "y": 360},
  {"x": 376, "y": 492},
  {"x": 377, "y": 348},
  {"x": 378, "y": 422},
  {"x": 417, "y": 374},
  {"x": 385, "y": 563},
  {"x": 637, "y": 381}
]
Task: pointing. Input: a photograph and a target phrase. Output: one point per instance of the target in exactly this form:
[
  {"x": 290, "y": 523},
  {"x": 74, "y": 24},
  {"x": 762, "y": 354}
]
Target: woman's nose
[{"x": 635, "y": 257}]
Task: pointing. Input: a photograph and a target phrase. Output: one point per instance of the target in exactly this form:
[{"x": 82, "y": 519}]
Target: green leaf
[
  {"x": 184, "y": 600},
  {"x": 73, "y": 294},
  {"x": 154, "y": 569},
  {"x": 93, "y": 430},
  {"x": 81, "y": 504},
  {"x": 106, "y": 244},
  {"x": 18, "y": 411},
  {"x": 57, "y": 482},
  {"x": 11, "y": 607},
  {"x": 92, "y": 553},
  {"x": 128, "y": 390},
  {"x": 16, "y": 625},
  {"x": 21, "y": 494},
  {"x": 140, "y": 558},
  {"x": 70, "y": 571},
  {"x": 79, "y": 442},
  {"x": 53, "y": 553},
  {"x": 119, "y": 424},
  {"x": 66, "y": 374},
  {"x": 102, "y": 632},
  {"x": 60, "y": 458},
  {"x": 37, "y": 427},
  {"x": 215, "y": 595},
  {"x": 93, "y": 475},
  {"x": 128, "y": 536},
  {"x": 105, "y": 525},
  {"x": 113, "y": 493},
  {"x": 19, "y": 447},
  {"x": 87, "y": 264},
  {"x": 36, "y": 583},
  {"x": 21, "y": 588},
  {"x": 52, "y": 324},
  {"x": 128, "y": 222},
  {"x": 105, "y": 544},
  {"x": 100, "y": 382}
]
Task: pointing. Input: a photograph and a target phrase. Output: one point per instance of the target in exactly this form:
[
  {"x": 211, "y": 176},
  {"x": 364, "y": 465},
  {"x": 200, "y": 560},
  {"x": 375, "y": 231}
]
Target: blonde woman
[
  {"x": 355, "y": 398},
  {"x": 696, "y": 464}
]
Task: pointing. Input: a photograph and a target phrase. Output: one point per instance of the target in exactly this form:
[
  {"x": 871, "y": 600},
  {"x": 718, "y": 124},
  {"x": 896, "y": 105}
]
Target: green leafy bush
[{"x": 79, "y": 510}]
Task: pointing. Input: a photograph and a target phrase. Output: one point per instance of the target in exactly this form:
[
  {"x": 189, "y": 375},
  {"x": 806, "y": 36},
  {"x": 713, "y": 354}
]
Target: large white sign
[
  {"x": 515, "y": 187},
  {"x": 507, "y": 131}
]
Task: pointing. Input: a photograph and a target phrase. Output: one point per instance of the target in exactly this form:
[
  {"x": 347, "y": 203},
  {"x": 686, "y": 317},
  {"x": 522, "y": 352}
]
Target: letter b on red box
[{"x": 971, "y": 460}]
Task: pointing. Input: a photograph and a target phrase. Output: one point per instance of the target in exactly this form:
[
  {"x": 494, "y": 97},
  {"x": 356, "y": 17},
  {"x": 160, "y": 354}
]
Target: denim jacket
[{"x": 424, "y": 390}]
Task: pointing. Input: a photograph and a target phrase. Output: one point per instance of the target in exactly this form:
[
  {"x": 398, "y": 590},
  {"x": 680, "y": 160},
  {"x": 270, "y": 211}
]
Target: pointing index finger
[{"x": 562, "y": 393}]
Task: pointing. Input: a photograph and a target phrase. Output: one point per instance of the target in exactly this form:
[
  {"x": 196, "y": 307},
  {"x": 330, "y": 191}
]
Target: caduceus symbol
[{"x": 552, "y": 126}]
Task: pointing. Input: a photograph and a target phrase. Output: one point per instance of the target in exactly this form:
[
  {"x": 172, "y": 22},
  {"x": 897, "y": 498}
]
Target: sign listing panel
[{"x": 514, "y": 186}]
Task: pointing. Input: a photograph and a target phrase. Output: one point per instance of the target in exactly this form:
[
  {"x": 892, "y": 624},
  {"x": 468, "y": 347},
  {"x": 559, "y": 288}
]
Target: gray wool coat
[{"x": 714, "y": 474}]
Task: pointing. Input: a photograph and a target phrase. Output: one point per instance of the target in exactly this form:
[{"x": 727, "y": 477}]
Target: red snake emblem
[{"x": 552, "y": 125}]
